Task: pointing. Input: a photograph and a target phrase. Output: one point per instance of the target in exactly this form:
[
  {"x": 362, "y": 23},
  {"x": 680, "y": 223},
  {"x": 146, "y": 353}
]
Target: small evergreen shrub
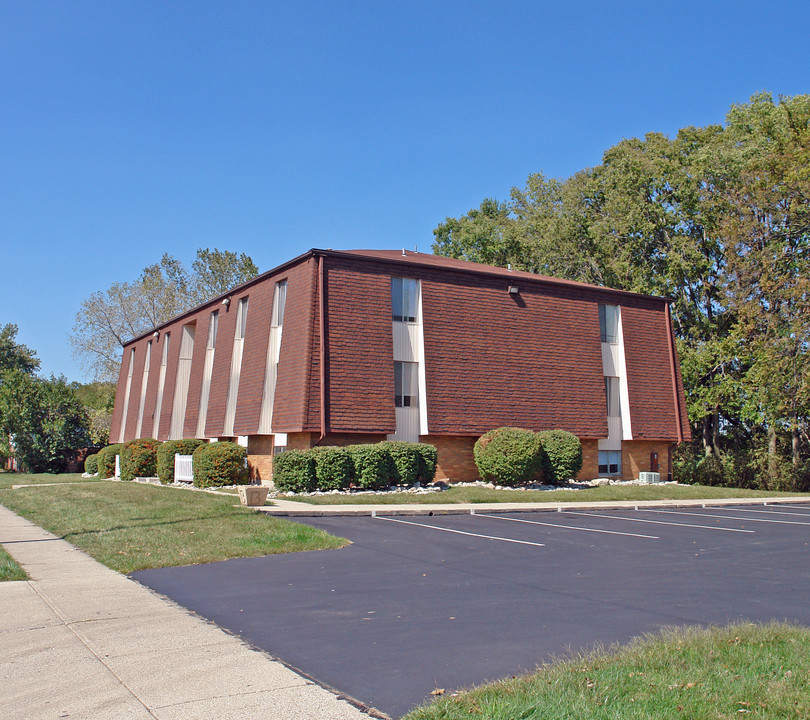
[
  {"x": 91, "y": 464},
  {"x": 294, "y": 471},
  {"x": 428, "y": 461},
  {"x": 334, "y": 468},
  {"x": 220, "y": 463},
  {"x": 139, "y": 458},
  {"x": 509, "y": 456},
  {"x": 406, "y": 461},
  {"x": 106, "y": 460},
  {"x": 165, "y": 456},
  {"x": 564, "y": 456},
  {"x": 373, "y": 466}
]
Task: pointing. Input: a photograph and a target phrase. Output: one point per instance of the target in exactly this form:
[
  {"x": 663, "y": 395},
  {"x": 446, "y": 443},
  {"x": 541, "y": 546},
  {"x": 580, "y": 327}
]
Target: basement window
[{"x": 610, "y": 462}]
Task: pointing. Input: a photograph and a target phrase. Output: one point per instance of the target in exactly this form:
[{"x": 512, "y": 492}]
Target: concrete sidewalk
[
  {"x": 79, "y": 640},
  {"x": 292, "y": 508}
]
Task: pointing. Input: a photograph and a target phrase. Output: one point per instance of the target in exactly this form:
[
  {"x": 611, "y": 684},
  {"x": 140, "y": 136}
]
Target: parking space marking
[
  {"x": 657, "y": 522},
  {"x": 771, "y": 512},
  {"x": 727, "y": 517},
  {"x": 567, "y": 527},
  {"x": 460, "y": 532}
]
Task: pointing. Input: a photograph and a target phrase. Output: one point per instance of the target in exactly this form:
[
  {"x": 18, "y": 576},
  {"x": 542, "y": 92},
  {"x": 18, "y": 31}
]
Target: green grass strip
[
  {"x": 595, "y": 494},
  {"x": 133, "y": 526},
  {"x": 9, "y": 569},
  {"x": 741, "y": 671}
]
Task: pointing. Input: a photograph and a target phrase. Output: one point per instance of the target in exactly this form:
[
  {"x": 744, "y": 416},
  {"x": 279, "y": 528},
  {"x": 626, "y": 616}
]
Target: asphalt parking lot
[{"x": 418, "y": 603}]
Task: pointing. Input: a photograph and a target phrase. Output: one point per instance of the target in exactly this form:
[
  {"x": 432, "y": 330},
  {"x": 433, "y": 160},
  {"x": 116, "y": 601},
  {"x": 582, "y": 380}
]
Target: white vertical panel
[
  {"x": 144, "y": 381},
  {"x": 208, "y": 367},
  {"x": 122, "y": 434},
  {"x": 164, "y": 361},
  {"x": 614, "y": 365},
  {"x": 409, "y": 347},
  {"x": 273, "y": 354},
  {"x": 181, "y": 383},
  {"x": 236, "y": 366}
]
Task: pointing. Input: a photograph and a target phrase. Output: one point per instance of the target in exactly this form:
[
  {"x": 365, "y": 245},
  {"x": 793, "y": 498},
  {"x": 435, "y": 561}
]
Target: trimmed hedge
[
  {"x": 374, "y": 468},
  {"x": 91, "y": 464},
  {"x": 428, "y": 462},
  {"x": 166, "y": 453},
  {"x": 510, "y": 456},
  {"x": 220, "y": 463},
  {"x": 564, "y": 456},
  {"x": 334, "y": 468},
  {"x": 106, "y": 460},
  {"x": 294, "y": 471},
  {"x": 139, "y": 458},
  {"x": 406, "y": 460}
]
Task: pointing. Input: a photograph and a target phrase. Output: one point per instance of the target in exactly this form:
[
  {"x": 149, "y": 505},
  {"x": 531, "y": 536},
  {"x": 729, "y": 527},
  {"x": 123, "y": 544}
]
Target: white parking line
[
  {"x": 567, "y": 527},
  {"x": 657, "y": 522},
  {"x": 770, "y": 512},
  {"x": 727, "y": 517},
  {"x": 460, "y": 532}
]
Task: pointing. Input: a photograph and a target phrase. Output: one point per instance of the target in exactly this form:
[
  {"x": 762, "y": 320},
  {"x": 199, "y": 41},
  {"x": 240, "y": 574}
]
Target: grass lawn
[
  {"x": 761, "y": 671},
  {"x": 7, "y": 479},
  {"x": 133, "y": 526},
  {"x": 595, "y": 494},
  {"x": 9, "y": 569}
]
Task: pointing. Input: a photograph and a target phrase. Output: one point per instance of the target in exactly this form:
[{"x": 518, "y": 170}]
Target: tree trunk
[
  {"x": 716, "y": 430},
  {"x": 773, "y": 468},
  {"x": 794, "y": 449},
  {"x": 708, "y": 448}
]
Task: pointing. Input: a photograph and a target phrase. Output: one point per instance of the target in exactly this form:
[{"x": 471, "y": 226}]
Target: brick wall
[
  {"x": 455, "y": 457},
  {"x": 260, "y": 458}
]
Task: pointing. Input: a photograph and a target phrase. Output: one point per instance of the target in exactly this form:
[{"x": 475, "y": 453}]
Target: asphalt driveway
[{"x": 419, "y": 603}]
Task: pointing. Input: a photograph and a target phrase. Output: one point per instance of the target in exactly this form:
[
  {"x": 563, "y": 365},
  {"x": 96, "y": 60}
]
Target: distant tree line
[
  {"x": 718, "y": 219},
  {"x": 109, "y": 318}
]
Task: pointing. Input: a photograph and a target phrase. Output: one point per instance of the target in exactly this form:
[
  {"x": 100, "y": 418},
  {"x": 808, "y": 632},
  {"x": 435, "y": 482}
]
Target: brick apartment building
[{"x": 334, "y": 348}]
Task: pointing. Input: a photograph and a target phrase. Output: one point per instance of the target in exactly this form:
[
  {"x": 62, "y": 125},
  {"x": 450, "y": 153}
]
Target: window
[
  {"x": 610, "y": 462},
  {"x": 404, "y": 299},
  {"x": 406, "y": 384},
  {"x": 612, "y": 396},
  {"x": 609, "y": 323},
  {"x": 279, "y": 303}
]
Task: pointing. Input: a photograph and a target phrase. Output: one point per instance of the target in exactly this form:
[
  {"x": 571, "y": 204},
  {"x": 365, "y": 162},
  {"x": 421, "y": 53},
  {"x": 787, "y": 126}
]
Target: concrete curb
[{"x": 289, "y": 508}]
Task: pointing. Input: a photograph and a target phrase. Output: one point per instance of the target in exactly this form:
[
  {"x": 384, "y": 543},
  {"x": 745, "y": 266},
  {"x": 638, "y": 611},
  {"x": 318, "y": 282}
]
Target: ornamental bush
[
  {"x": 106, "y": 460},
  {"x": 91, "y": 464},
  {"x": 509, "y": 456},
  {"x": 406, "y": 460},
  {"x": 294, "y": 471},
  {"x": 166, "y": 453},
  {"x": 139, "y": 458},
  {"x": 334, "y": 468},
  {"x": 428, "y": 461},
  {"x": 564, "y": 456},
  {"x": 220, "y": 463},
  {"x": 374, "y": 467}
]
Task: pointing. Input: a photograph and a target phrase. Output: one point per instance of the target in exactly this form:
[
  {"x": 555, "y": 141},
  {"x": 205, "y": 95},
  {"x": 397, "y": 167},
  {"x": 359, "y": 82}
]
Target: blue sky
[{"x": 130, "y": 129}]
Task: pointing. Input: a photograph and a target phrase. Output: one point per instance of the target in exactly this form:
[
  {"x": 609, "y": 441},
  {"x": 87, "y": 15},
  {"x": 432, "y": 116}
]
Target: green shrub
[
  {"x": 220, "y": 463},
  {"x": 373, "y": 466},
  {"x": 428, "y": 461},
  {"x": 564, "y": 453},
  {"x": 139, "y": 458},
  {"x": 509, "y": 456},
  {"x": 166, "y": 453},
  {"x": 294, "y": 471},
  {"x": 406, "y": 460},
  {"x": 334, "y": 468},
  {"x": 106, "y": 460},
  {"x": 91, "y": 464}
]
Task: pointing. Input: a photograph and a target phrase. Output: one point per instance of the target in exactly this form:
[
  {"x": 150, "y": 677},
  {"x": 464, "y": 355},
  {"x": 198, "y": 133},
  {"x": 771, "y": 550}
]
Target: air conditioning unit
[{"x": 649, "y": 477}]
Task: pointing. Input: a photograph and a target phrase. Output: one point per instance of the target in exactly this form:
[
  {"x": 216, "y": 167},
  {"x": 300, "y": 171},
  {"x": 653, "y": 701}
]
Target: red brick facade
[{"x": 530, "y": 359}]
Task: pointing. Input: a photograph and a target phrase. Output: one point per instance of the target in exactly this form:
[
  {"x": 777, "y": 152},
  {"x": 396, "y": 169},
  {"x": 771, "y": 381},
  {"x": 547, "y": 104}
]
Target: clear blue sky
[{"x": 129, "y": 129}]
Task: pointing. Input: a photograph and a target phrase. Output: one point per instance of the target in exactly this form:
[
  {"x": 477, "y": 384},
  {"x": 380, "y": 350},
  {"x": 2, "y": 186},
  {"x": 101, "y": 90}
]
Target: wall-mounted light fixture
[
  {"x": 226, "y": 302},
  {"x": 156, "y": 334},
  {"x": 514, "y": 289}
]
